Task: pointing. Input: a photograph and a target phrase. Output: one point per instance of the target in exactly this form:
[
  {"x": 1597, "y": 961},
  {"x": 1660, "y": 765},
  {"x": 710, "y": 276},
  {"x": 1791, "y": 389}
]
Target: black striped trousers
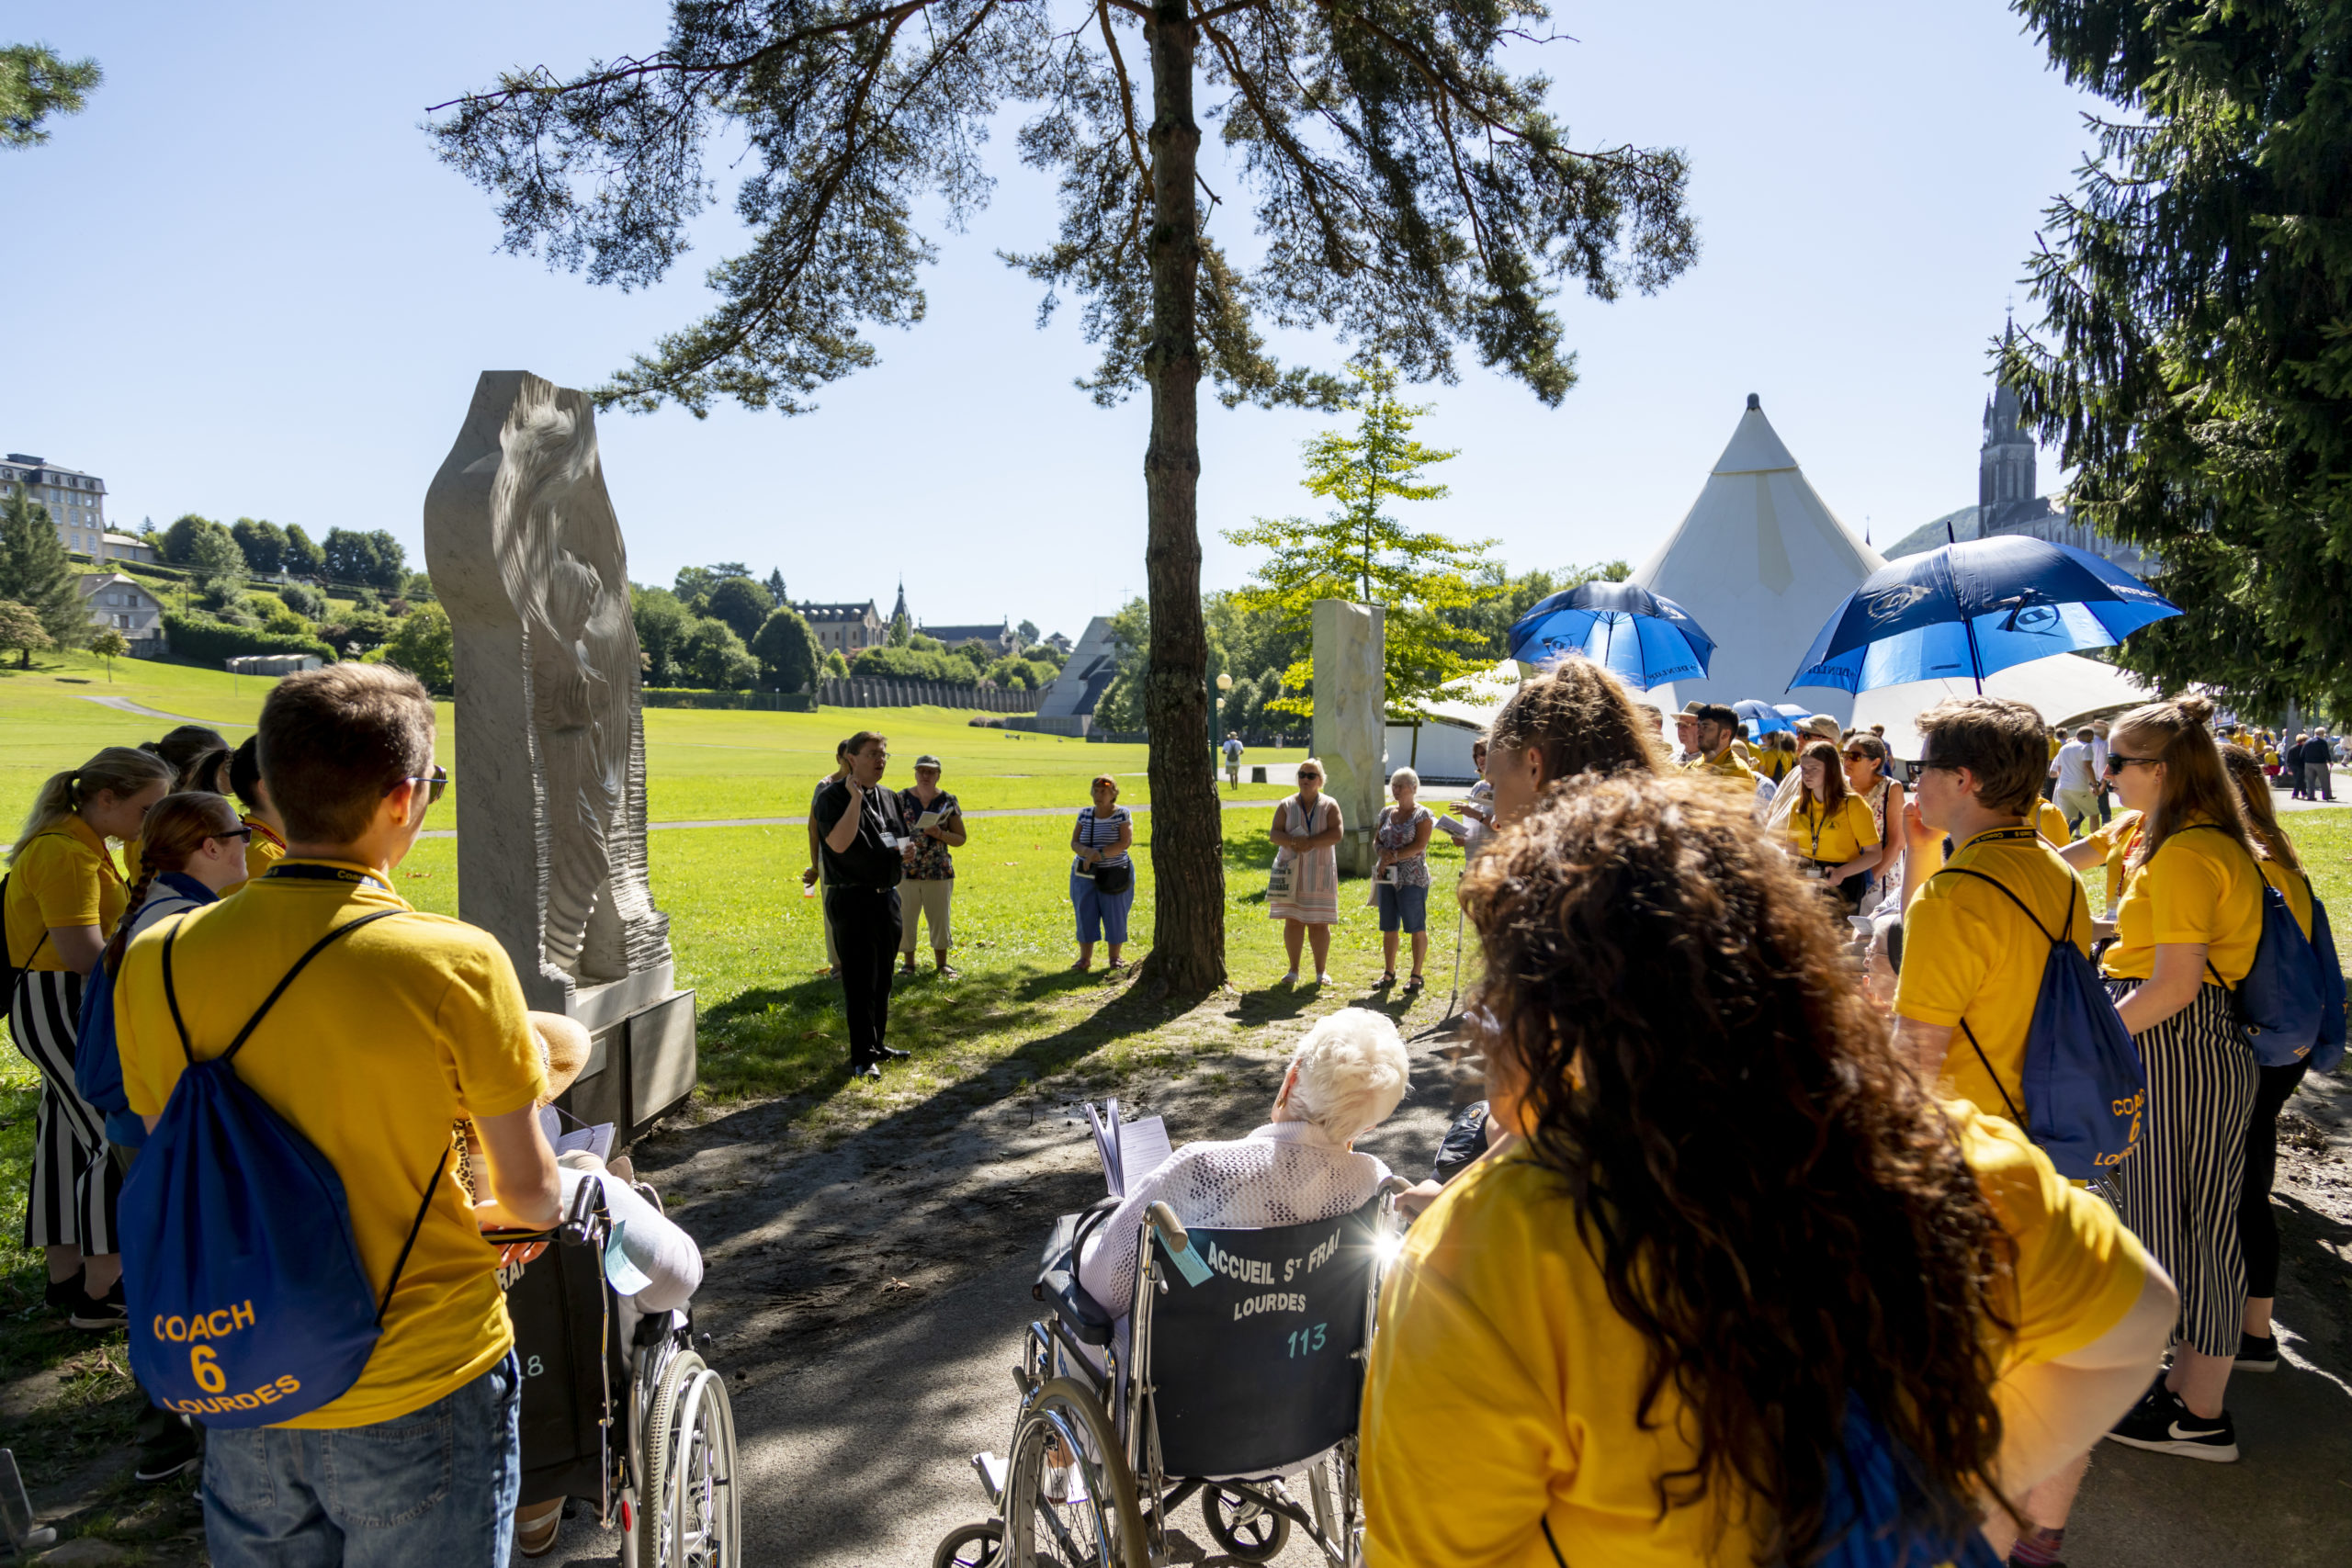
[
  {"x": 75, "y": 1186},
  {"x": 2179, "y": 1191}
]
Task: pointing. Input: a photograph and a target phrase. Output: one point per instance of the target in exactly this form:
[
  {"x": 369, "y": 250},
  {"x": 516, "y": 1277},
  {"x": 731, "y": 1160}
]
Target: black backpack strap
[
  {"x": 172, "y": 995},
  {"x": 2014, "y": 1115},
  {"x": 299, "y": 965},
  {"x": 423, "y": 1208}
]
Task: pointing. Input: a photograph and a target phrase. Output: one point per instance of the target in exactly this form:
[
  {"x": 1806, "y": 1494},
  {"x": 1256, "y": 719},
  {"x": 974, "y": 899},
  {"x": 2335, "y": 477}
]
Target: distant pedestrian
[
  {"x": 2319, "y": 780},
  {"x": 1232, "y": 760},
  {"x": 815, "y": 875},
  {"x": 929, "y": 884},
  {"x": 1103, "y": 877},
  {"x": 861, "y": 838},
  {"x": 1400, "y": 888},
  {"x": 2077, "y": 795},
  {"x": 1304, "y": 893}
]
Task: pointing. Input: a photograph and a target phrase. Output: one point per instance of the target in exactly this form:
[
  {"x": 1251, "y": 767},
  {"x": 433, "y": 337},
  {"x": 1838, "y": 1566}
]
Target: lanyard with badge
[{"x": 305, "y": 872}]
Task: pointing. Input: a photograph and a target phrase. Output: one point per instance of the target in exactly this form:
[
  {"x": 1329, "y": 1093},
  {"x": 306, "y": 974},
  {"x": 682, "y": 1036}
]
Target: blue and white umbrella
[
  {"x": 1764, "y": 716},
  {"x": 1963, "y": 610},
  {"x": 1644, "y": 639}
]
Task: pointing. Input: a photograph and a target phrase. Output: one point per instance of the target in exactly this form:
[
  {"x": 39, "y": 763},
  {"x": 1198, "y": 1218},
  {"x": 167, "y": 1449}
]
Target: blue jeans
[
  {"x": 1102, "y": 917},
  {"x": 435, "y": 1486}
]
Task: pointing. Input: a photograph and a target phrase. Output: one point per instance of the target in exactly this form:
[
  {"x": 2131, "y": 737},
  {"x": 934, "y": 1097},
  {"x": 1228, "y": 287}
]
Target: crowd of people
[
  {"x": 1732, "y": 1212},
  {"x": 1760, "y": 1182}
]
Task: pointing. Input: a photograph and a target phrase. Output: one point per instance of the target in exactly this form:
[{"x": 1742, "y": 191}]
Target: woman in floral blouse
[{"x": 930, "y": 882}]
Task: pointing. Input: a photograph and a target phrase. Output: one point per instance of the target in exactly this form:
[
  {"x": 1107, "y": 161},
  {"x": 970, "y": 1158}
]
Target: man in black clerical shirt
[{"x": 864, "y": 851}]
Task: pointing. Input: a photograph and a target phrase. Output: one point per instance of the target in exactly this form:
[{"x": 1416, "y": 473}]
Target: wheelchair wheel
[
  {"x": 1068, "y": 1499},
  {"x": 688, "y": 1513},
  {"x": 1245, "y": 1527},
  {"x": 972, "y": 1546}
]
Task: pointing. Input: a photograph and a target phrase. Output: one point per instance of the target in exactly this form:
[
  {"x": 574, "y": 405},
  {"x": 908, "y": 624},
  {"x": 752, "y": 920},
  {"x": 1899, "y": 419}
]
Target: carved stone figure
[
  {"x": 1351, "y": 720},
  {"x": 525, "y": 554}
]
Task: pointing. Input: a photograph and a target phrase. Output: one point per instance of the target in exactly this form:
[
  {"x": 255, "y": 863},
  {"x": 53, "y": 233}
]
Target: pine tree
[
  {"x": 775, "y": 588},
  {"x": 1407, "y": 190},
  {"x": 36, "y": 83},
  {"x": 1423, "y": 580},
  {"x": 2197, "y": 374},
  {"x": 35, "y": 571}
]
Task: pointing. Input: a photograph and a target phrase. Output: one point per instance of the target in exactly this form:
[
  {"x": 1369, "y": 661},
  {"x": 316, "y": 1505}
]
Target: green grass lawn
[{"x": 700, "y": 765}]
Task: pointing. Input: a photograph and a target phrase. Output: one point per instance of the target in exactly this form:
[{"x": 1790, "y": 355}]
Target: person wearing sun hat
[{"x": 929, "y": 884}]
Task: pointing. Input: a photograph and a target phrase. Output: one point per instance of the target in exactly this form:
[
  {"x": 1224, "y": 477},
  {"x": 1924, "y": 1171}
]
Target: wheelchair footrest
[{"x": 992, "y": 1471}]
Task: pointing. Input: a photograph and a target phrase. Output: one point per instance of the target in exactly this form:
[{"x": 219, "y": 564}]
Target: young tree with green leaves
[
  {"x": 1410, "y": 194},
  {"x": 35, "y": 571},
  {"x": 20, "y": 628},
  {"x": 1359, "y": 552},
  {"x": 303, "y": 556},
  {"x": 217, "y": 566},
  {"x": 36, "y": 84},
  {"x": 110, "y": 645},
  {"x": 2197, "y": 372}
]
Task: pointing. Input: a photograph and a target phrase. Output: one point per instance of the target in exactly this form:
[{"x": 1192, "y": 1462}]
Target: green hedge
[
  {"x": 207, "y": 641},
  {"x": 759, "y": 701}
]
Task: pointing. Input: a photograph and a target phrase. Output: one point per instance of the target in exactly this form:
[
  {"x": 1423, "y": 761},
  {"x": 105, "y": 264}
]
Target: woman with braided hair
[{"x": 64, "y": 895}]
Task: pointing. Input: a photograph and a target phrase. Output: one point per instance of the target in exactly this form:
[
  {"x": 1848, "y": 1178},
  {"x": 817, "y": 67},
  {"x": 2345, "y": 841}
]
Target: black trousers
[
  {"x": 865, "y": 934},
  {"x": 2258, "y": 1226}
]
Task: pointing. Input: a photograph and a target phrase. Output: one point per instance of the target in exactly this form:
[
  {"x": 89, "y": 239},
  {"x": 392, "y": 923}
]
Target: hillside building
[
  {"x": 117, "y": 602},
  {"x": 76, "y": 504},
  {"x": 846, "y": 629}
]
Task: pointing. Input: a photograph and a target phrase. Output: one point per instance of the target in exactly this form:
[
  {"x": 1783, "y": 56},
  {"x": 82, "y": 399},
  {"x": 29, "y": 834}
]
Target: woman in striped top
[{"x": 1103, "y": 877}]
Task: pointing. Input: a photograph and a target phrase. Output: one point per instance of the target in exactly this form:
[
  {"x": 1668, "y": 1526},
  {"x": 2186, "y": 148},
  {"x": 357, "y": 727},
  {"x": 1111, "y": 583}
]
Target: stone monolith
[
  {"x": 525, "y": 555},
  {"x": 1351, "y": 714}
]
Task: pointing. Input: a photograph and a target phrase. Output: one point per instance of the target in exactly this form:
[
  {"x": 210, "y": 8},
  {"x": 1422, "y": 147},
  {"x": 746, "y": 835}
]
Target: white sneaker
[
  {"x": 1321, "y": 978},
  {"x": 1290, "y": 978}
]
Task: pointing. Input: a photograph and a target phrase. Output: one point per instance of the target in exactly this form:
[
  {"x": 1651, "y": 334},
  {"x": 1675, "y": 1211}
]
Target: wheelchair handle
[
  {"x": 1391, "y": 1186},
  {"x": 580, "y": 1224},
  {"x": 1171, "y": 1230}
]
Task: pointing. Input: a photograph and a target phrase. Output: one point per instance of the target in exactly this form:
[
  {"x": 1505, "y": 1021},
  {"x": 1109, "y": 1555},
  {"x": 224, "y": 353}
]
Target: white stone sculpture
[
  {"x": 1351, "y": 720},
  {"x": 525, "y": 555}
]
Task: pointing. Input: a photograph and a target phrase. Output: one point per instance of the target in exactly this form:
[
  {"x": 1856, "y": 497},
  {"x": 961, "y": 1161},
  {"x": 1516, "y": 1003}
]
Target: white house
[{"x": 122, "y": 604}]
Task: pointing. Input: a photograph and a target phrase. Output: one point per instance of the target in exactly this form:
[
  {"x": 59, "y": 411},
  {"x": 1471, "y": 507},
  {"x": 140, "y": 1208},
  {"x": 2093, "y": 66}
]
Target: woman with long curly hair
[{"x": 1736, "y": 1244}]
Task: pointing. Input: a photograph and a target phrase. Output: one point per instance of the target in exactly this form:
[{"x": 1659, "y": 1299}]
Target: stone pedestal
[
  {"x": 525, "y": 555},
  {"x": 1351, "y": 720}
]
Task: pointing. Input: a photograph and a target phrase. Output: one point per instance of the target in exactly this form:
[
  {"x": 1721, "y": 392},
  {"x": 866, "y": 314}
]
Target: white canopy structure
[
  {"x": 1760, "y": 562},
  {"x": 2065, "y": 687}
]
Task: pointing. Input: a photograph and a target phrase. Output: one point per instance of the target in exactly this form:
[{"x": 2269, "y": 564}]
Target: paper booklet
[
  {"x": 597, "y": 1139},
  {"x": 928, "y": 820},
  {"x": 1129, "y": 1150},
  {"x": 1452, "y": 827}
]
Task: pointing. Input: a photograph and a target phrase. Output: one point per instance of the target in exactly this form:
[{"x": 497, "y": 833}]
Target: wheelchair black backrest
[
  {"x": 1260, "y": 1366},
  {"x": 558, "y": 1303}
]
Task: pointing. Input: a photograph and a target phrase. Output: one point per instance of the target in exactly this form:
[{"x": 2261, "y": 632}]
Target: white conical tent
[{"x": 1760, "y": 562}]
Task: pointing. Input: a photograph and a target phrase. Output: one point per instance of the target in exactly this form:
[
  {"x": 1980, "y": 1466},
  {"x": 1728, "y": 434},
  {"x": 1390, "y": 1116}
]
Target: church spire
[{"x": 900, "y": 611}]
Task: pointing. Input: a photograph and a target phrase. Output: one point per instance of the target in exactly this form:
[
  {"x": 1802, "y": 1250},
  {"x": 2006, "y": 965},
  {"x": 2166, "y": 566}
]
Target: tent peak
[{"x": 1755, "y": 446}]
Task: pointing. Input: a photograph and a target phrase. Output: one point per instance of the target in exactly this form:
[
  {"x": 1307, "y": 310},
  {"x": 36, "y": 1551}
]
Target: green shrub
[{"x": 206, "y": 640}]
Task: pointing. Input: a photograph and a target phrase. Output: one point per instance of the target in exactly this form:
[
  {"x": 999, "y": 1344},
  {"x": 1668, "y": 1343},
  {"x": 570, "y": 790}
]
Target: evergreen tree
[
  {"x": 1408, "y": 193},
  {"x": 36, "y": 83},
  {"x": 1360, "y": 552},
  {"x": 2198, "y": 372},
  {"x": 36, "y": 572},
  {"x": 775, "y": 588}
]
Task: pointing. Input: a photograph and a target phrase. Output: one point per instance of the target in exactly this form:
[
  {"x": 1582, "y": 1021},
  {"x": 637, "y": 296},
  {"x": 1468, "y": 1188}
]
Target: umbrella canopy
[
  {"x": 1644, "y": 639},
  {"x": 1796, "y": 711},
  {"x": 1965, "y": 609},
  {"x": 1763, "y": 716}
]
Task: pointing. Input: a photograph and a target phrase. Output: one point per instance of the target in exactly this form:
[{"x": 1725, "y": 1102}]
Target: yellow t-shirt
[
  {"x": 1774, "y": 763},
  {"x": 62, "y": 878},
  {"x": 264, "y": 849},
  {"x": 1970, "y": 954},
  {"x": 1727, "y": 766},
  {"x": 2201, "y": 887},
  {"x": 1833, "y": 837},
  {"x": 2052, "y": 823},
  {"x": 1502, "y": 1394},
  {"x": 390, "y": 1036}
]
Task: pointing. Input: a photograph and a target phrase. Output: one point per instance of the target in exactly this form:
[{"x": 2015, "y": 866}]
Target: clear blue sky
[{"x": 240, "y": 284}]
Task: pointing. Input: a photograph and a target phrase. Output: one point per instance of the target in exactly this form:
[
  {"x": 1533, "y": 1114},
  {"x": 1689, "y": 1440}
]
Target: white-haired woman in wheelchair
[{"x": 1346, "y": 1076}]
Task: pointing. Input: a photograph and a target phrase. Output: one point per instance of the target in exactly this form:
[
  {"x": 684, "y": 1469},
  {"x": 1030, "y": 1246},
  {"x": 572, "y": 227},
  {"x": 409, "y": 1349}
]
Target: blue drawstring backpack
[
  {"x": 2085, "y": 1085},
  {"x": 1870, "y": 1492},
  {"x": 98, "y": 1062},
  {"x": 249, "y": 1303},
  {"x": 2279, "y": 1002},
  {"x": 2328, "y": 1049}
]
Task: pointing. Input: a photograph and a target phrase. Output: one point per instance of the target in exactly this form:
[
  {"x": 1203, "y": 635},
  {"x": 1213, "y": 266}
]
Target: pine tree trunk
[{"x": 1187, "y": 827}]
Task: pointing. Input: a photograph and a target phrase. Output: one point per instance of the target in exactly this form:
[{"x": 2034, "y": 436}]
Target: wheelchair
[
  {"x": 1240, "y": 1384},
  {"x": 630, "y": 1423}
]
